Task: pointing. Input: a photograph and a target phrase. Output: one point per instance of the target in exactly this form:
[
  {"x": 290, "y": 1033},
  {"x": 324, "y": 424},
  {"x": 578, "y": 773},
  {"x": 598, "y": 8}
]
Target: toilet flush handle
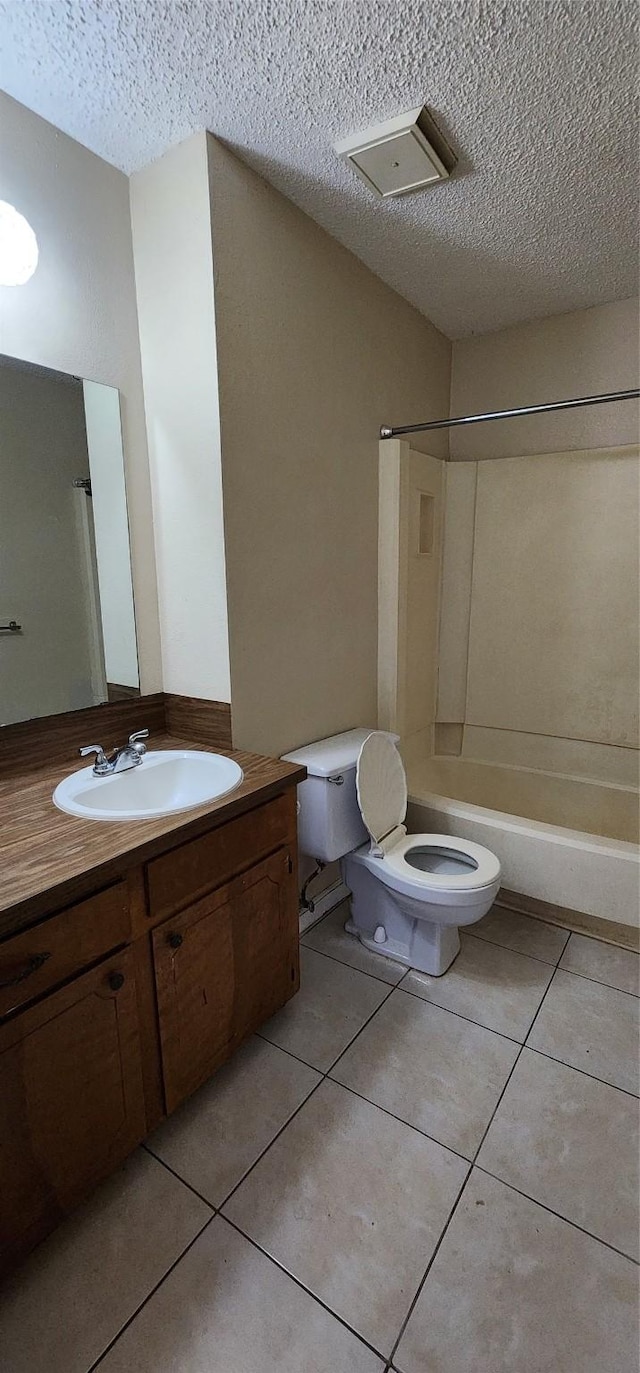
[{"x": 338, "y": 781}]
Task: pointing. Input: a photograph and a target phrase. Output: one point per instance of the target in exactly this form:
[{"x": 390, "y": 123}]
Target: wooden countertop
[{"x": 48, "y": 859}]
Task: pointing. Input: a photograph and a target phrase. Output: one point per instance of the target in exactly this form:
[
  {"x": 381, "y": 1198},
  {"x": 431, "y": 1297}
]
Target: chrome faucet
[{"x": 122, "y": 758}]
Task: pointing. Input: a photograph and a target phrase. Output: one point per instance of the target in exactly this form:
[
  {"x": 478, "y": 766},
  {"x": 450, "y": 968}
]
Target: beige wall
[
  {"x": 547, "y": 675},
  {"x": 587, "y": 352},
  {"x": 171, "y": 219},
  {"x": 78, "y": 312},
  {"x": 314, "y": 354}
]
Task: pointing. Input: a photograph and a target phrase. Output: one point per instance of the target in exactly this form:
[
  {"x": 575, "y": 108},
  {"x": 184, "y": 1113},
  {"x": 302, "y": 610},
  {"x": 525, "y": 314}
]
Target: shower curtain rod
[{"x": 386, "y": 432}]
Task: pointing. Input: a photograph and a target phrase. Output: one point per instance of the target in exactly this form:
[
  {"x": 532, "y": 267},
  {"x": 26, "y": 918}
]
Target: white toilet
[{"x": 410, "y": 892}]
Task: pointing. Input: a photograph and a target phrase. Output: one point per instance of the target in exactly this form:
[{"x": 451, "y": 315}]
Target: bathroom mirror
[{"x": 67, "y": 626}]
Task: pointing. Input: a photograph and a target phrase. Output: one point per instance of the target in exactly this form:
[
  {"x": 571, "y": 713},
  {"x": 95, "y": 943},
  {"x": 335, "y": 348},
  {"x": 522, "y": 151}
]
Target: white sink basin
[{"x": 164, "y": 783}]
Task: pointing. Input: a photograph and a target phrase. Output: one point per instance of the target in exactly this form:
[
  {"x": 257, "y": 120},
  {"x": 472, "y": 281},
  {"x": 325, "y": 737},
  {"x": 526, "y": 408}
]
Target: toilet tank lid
[{"x": 326, "y": 757}]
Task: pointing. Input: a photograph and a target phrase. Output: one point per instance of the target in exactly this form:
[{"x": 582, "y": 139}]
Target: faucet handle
[
  {"x": 94, "y": 748},
  {"x": 134, "y": 741}
]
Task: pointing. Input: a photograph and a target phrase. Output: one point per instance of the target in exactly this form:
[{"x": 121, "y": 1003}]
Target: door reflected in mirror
[{"x": 67, "y": 625}]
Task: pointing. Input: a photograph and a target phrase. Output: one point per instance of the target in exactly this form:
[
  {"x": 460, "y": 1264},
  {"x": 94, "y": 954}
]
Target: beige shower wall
[
  {"x": 409, "y": 559},
  {"x": 541, "y": 565}
]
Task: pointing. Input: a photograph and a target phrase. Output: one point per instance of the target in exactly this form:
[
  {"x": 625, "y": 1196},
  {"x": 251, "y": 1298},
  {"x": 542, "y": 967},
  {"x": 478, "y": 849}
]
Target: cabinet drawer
[
  {"x": 51, "y": 952},
  {"x": 189, "y": 872}
]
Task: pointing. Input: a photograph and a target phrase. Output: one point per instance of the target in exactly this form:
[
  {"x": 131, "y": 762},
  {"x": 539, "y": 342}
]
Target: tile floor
[{"x": 399, "y": 1172}]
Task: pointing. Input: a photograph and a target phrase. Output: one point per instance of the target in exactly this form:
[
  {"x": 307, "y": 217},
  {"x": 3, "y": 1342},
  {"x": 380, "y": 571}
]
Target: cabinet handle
[
  {"x": 116, "y": 981},
  {"x": 35, "y": 962},
  {"x": 174, "y": 941}
]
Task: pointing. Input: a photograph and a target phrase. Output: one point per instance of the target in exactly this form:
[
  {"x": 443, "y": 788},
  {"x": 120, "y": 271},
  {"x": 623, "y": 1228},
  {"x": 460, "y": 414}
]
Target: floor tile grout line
[
  {"x": 598, "y": 981},
  {"x": 268, "y": 1146},
  {"x": 299, "y": 1283},
  {"x": 133, "y": 1316},
  {"x": 439, "y": 1007},
  {"x": 401, "y": 1120},
  {"x": 626, "y": 1091},
  {"x": 343, "y": 964},
  {"x": 472, "y": 1161},
  {"x": 558, "y": 1214},
  {"x": 540, "y": 1004},
  {"x": 325, "y": 1071},
  {"x": 549, "y": 985},
  {"x": 497, "y": 1105},
  {"x": 359, "y": 1032},
  {"x": 323, "y": 1078},
  {"x": 178, "y": 1176},
  {"x": 217, "y": 1211},
  {"x": 430, "y": 1263},
  {"x": 290, "y": 1054},
  {"x": 550, "y": 962},
  {"x": 527, "y": 1045},
  {"x": 475, "y": 1165},
  {"x": 489, "y": 1028},
  {"x": 429, "y": 1002},
  {"x": 564, "y": 1219},
  {"x": 516, "y": 1062}
]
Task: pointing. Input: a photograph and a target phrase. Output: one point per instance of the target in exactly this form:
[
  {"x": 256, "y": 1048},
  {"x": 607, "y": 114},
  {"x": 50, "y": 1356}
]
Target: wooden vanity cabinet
[
  {"x": 98, "y": 1043},
  {"x": 72, "y": 1101}
]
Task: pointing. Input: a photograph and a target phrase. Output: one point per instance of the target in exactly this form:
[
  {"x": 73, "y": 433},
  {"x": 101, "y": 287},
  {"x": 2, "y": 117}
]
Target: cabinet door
[
  {"x": 222, "y": 967},
  {"x": 72, "y": 1100}
]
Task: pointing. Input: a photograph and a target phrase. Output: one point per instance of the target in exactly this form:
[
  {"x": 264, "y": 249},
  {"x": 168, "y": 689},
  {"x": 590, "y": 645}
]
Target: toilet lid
[{"x": 381, "y": 785}]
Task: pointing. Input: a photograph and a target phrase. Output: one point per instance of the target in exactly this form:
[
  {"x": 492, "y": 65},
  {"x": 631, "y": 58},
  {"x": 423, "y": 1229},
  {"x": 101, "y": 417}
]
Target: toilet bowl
[{"x": 409, "y": 892}]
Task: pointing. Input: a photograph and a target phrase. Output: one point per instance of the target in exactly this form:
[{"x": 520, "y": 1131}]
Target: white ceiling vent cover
[{"x": 401, "y": 155}]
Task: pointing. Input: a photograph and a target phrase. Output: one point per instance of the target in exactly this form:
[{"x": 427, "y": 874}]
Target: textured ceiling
[{"x": 536, "y": 96}]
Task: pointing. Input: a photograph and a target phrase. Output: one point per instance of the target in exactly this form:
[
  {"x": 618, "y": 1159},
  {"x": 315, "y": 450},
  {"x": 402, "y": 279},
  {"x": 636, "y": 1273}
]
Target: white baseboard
[{"x": 333, "y": 896}]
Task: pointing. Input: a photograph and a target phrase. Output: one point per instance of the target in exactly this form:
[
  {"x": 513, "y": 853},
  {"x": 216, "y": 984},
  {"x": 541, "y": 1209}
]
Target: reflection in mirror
[{"x": 67, "y": 627}]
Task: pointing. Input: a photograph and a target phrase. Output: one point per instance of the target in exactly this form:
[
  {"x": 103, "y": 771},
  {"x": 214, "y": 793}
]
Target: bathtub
[{"x": 564, "y": 841}]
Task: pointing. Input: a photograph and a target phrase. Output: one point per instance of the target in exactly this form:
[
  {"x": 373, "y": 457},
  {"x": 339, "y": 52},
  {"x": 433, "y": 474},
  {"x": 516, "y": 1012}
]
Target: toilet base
[
  {"x": 430, "y": 948},
  {"x": 384, "y": 927}
]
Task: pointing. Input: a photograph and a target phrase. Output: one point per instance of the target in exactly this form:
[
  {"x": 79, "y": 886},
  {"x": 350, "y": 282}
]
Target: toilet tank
[{"x": 329, "y": 820}]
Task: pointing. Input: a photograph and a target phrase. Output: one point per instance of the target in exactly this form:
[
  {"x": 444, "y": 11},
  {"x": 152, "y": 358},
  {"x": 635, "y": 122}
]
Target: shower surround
[{"x": 508, "y": 662}]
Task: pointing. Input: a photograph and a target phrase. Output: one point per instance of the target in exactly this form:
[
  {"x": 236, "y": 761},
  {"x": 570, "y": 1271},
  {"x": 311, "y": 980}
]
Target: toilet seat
[
  {"x": 483, "y": 868},
  {"x": 461, "y": 891},
  {"x": 382, "y": 796}
]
